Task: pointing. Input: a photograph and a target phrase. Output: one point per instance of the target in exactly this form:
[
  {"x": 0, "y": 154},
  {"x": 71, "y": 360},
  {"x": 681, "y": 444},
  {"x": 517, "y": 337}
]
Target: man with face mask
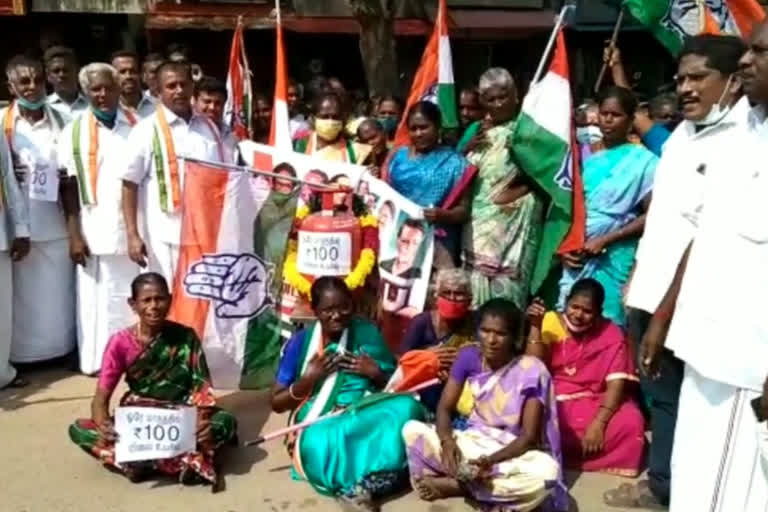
[
  {"x": 61, "y": 67},
  {"x": 177, "y": 131},
  {"x": 92, "y": 150},
  {"x": 44, "y": 281},
  {"x": 588, "y": 133},
  {"x": 708, "y": 92}
]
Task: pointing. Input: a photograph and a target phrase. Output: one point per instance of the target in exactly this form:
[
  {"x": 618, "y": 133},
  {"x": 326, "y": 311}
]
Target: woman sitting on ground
[
  {"x": 164, "y": 364},
  {"x": 434, "y": 337},
  {"x": 333, "y": 365},
  {"x": 509, "y": 455},
  {"x": 601, "y": 426}
]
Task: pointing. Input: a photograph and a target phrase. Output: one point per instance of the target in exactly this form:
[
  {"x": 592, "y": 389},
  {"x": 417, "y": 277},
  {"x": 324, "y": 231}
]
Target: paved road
[{"x": 42, "y": 471}]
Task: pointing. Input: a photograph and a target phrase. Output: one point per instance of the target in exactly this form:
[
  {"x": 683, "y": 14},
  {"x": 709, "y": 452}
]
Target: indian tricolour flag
[
  {"x": 222, "y": 287},
  {"x": 543, "y": 142},
  {"x": 434, "y": 78},
  {"x": 280, "y": 134},
  {"x": 671, "y": 21},
  {"x": 237, "y": 111}
]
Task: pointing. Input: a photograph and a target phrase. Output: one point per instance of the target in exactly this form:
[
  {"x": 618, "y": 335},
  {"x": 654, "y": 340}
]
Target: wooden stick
[
  {"x": 551, "y": 42},
  {"x": 301, "y": 426},
  {"x": 612, "y": 45}
]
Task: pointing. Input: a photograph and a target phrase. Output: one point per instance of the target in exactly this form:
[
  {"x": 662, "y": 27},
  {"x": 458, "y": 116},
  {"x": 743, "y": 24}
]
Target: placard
[
  {"x": 324, "y": 254},
  {"x": 150, "y": 433},
  {"x": 44, "y": 183}
]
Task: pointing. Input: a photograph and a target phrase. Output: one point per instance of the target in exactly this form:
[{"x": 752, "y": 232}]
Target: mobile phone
[{"x": 757, "y": 408}]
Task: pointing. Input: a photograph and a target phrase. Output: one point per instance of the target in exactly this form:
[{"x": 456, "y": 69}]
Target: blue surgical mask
[
  {"x": 31, "y": 105},
  {"x": 388, "y": 124}
]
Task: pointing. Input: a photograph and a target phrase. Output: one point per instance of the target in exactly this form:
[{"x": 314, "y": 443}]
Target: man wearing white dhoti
[
  {"x": 153, "y": 178},
  {"x": 44, "y": 281},
  {"x": 719, "y": 328},
  {"x": 14, "y": 245},
  {"x": 92, "y": 150}
]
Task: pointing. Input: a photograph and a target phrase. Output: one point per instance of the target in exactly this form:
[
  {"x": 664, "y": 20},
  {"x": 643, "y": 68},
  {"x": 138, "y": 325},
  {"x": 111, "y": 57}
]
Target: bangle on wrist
[{"x": 290, "y": 392}]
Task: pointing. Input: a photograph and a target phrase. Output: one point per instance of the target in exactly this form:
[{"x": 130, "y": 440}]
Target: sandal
[{"x": 633, "y": 496}]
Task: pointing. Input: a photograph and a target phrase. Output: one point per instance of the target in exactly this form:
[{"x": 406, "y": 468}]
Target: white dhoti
[
  {"x": 43, "y": 303},
  {"x": 103, "y": 289},
  {"x": 715, "y": 459},
  {"x": 163, "y": 258},
  {"x": 7, "y": 372}
]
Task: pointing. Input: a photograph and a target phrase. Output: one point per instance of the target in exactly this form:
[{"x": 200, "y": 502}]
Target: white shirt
[
  {"x": 14, "y": 214},
  {"x": 676, "y": 206},
  {"x": 145, "y": 108},
  {"x": 196, "y": 139},
  {"x": 103, "y": 225},
  {"x": 70, "y": 110},
  {"x": 720, "y": 325},
  {"x": 36, "y": 145}
]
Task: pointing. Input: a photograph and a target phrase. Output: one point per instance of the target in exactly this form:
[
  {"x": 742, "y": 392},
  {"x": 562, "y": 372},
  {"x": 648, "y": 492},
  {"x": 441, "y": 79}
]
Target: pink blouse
[{"x": 122, "y": 351}]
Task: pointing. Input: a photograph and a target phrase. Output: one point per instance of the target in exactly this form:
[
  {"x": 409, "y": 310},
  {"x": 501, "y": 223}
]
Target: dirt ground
[{"x": 42, "y": 471}]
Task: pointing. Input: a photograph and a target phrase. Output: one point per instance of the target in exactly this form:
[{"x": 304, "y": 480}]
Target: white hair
[
  {"x": 496, "y": 77},
  {"x": 95, "y": 68},
  {"x": 455, "y": 278}
]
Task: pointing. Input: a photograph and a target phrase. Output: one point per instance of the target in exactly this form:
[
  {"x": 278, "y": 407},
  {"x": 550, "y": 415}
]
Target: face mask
[
  {"x": 388, "y": 124},
  {"x": 104, "y": 115},
  {"x": 451, "y": 309},
  {"x": 30, "y": 105},
  {"x": 328, "y": 129},
  {"x": 588, "y": 134},
  {"x": 574, "y": 329},
  {"x": 717, "y": 112}
]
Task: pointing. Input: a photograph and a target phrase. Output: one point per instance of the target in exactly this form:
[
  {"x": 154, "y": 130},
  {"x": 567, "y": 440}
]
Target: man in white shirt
[
  {"x": 61, "y": 67},
  {"x": 92, "y": 150},
  {"x": 14, "y": 245},
  {"x": 719, "y": 328},
  {"x": 149, "y": 74},
  {"x": 155, "y": 170},
  {"x": 44, "y": 281},
  {"x": 707, "y": 92},
  {"x": 210, "y": 98},
  {"x": 136, "y": 105}
]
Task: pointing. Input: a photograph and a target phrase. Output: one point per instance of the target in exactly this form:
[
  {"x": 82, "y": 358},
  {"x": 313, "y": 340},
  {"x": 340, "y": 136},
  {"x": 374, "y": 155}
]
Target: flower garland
[{"x": 356, "y": 278}]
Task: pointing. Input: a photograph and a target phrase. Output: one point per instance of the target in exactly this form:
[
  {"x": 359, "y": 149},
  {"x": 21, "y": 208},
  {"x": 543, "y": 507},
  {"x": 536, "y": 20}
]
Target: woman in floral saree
[
  {"x": 501, "y": 240},
  {"x": 601, "y": 426},
  {"x": 508, "y": 458},
  {"x": 617, "y": 191},
  {"x": 164, "y": 365},
  {"x": 336, "y": 364}
]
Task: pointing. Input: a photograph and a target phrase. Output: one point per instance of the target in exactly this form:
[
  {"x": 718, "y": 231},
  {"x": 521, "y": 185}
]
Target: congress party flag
[
  {"x": 671, "y": 21},
  {"x": 434, "y": 78},
  {"x": 222, "y": 287},
  {"x": 280, "y": 133},
  {"x": 237, "y": 111},
  {"x": 544, "y": 144}
]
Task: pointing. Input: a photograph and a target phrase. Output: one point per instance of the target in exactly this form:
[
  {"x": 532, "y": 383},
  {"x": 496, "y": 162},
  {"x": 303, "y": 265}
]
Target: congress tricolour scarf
[
  {"x": 671, "y": 21},
  {"x": 166, "y": 163},
  {"x": 85, "y": 153},
  {"x": 237, "y": 110},
  {"x": 222, "y": 287},
  {"x": 434, "y": 78},
  {"x": 543, "y": 141}
]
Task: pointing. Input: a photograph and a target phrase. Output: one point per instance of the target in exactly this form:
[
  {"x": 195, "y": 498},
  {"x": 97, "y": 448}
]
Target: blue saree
[{"x": 616, "y": 181}]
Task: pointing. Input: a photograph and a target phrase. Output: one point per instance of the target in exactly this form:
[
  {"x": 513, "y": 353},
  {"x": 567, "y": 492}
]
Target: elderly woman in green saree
[
  {"x": 501, "y": 239},
  {"x": 339, "y": 363},
  {"x": 164, "y": 365}
]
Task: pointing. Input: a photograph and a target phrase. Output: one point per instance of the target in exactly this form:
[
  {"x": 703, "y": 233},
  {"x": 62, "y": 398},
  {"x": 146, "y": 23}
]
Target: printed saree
[
  {"x": 170, "y": 371},
  {"x": 500, "y": 242},
  {"x": 616, "y": 181},
  {"x": 361, "y": 449}
]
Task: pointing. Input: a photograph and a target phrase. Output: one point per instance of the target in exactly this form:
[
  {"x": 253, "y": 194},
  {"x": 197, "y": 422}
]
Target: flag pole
[
  {"x": 277, "y": 12},
  {"x": 245, "y": 168},
  {"x": 551, "y": 42},
  {"x": 611, "y": 47}
]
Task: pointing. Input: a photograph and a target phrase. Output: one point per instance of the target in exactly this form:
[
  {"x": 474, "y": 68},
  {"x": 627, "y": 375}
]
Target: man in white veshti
[
  {"x": 719, "y": 328},
  {"x": 155, "y": 170},
  {"x": 14, "y": 245},
  {"x": 44, "y": 281},
  {"x": 92, "y": 149}
]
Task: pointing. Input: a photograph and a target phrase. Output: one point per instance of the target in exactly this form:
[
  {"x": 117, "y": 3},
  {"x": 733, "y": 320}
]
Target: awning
[{"x": 472, "y": 24}]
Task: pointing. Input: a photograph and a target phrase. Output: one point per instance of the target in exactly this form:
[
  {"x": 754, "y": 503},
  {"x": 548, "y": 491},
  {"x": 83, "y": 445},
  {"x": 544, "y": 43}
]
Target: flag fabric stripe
[
  {"x": 545, "y": 103},
  {"x": 237, "y": 111},
  {"x": 745, "y": 13},
  {"x": 280, "y": 132}
]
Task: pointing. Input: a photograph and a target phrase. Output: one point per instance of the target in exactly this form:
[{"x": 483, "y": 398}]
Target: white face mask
[
  {"x": 588, "y": 134},
  {"x": 717, "y": 113}
]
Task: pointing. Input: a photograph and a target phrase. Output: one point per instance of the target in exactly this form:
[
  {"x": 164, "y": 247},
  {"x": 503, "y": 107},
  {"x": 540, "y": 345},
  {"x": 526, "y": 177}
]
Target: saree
[
  {"x": 581, "y": 371},
  {"x": 521, "y": 484},
  {"x": 170, "y": 371},
  {"x": 616, "y": 181},
  {"x": 359, "y": 450},
  {"x": 500, "y": 243}
]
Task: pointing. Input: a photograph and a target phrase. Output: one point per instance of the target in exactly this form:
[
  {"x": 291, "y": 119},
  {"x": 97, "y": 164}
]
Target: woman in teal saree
[{"x": 339, "y": 363}]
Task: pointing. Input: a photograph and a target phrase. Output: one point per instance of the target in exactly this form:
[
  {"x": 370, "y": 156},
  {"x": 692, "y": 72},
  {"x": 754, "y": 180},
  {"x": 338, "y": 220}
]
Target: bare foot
[{"x": 431, "y": 489}]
